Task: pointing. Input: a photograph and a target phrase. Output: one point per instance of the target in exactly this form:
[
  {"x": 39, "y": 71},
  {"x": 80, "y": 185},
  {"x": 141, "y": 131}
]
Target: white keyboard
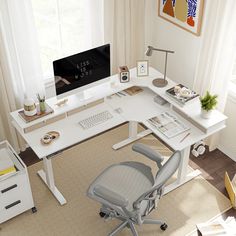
[{"x": 95, "y": 119}]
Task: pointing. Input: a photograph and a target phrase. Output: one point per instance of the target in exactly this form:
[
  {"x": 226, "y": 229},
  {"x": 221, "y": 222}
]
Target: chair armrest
[
  {"x": 148, "y": 152},
  {"x": 110, "y": 196}
]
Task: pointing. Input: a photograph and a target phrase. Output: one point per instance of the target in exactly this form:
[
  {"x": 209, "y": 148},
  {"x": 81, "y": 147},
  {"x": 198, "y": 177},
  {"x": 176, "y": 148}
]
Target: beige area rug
[{"x": 196, "y": 201}]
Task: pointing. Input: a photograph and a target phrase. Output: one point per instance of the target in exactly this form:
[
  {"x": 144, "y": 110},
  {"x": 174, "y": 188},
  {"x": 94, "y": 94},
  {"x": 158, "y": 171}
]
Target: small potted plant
[{"x": 208, "y": 103}]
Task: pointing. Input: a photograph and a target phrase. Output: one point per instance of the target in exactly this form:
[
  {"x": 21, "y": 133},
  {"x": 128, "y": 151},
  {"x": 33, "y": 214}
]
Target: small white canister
[{"x": 29, "y": 107}]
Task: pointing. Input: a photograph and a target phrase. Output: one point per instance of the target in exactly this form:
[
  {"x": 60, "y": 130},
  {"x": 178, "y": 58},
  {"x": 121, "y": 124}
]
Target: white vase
[{"x": 206, "y": 114}]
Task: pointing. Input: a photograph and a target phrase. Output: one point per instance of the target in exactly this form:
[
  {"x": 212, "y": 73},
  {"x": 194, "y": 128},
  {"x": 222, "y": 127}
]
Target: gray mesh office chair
[{"x": 129, "y": 191}]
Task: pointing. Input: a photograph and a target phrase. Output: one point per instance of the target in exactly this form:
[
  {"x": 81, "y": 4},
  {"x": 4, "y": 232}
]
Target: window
[{"x": 62, "y": 29}]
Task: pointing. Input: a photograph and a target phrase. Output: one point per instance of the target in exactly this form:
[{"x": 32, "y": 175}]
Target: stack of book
[
  {"x": 6, "y": 164},
  {"x": 213, "y": 228},
  {"x": 218, "y": 227}
]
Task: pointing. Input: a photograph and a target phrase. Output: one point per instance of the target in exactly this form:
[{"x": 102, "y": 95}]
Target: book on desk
[{"x": 168, "y": 124}]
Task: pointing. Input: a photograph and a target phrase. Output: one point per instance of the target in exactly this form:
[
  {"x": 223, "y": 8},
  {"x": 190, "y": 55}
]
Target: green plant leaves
[{"x": 208, "y": 102}]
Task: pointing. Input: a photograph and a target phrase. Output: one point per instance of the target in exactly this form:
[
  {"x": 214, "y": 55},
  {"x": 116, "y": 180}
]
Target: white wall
[
  {"x": 228, "y": 135},
  {"x": 162, "y": 34},
  {"x": 2, "y": 133}
]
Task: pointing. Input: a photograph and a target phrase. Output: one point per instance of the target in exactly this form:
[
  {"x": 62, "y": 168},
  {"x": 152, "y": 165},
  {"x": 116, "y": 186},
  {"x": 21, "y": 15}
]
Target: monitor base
[{"x": 83, "y": 96}]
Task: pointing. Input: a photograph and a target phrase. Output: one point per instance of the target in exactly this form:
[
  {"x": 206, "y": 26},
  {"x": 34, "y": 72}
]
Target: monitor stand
[{"x": 84, "y": 95}]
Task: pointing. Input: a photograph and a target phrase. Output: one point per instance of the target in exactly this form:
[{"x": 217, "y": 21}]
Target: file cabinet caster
[
  {"x": 34, "y": 209},
  {"x": 163, "y": 227}
]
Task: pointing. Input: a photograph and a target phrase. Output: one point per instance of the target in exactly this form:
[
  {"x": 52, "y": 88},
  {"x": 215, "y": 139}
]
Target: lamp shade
[{"x": 149, "y": 51}]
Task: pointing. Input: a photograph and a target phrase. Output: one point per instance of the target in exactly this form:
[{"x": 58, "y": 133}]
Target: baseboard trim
[{"x": 226, "y": 151}]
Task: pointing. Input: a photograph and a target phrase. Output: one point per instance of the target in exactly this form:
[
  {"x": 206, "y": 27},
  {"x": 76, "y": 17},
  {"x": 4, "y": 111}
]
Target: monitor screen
[{"x": 81, "y": 69}]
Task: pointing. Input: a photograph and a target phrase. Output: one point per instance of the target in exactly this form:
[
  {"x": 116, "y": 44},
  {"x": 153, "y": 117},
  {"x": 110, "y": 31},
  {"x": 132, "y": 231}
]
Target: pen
[
  {"x": 121, "y": 93},
  {"x": 184, "y": 137},
  {"x": 117, "y": 94}
]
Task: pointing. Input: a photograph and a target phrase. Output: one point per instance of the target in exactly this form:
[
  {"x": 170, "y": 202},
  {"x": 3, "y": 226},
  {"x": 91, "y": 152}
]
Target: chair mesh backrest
[
  {"x": 162, "y": 176},
  {"x": 168, "y": 169}
]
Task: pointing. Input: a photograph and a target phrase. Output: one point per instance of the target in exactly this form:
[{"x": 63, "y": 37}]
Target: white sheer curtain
[
  {"x": 8, "y": 101},
  {"x": 22, "y": 47},
  {"x": 217, "y": 53},
  {"x": 95, "y": 22},
  {"x": 124, "y": 28},
  {"x": 20, "y": 65}
]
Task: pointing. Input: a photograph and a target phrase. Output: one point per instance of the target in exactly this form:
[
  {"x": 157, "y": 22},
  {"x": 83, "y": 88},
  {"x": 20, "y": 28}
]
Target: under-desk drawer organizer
[{"x": 15, "y": 191}]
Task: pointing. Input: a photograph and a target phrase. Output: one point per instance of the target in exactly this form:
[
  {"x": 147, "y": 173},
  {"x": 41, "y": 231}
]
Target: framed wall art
[
  {"x": 187, "y": 14},
  {"x": 142, "y": 68}
]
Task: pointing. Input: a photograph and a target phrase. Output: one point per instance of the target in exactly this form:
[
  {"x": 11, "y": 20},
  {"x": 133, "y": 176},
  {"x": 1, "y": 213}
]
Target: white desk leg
[
  {"x": 133, "y": 129},
  {"x": 47, "y": 176},
  {"x": 183, "y": 175},
  {"x": 133, "y": 135},
  {"x": 183, "y": 167}
]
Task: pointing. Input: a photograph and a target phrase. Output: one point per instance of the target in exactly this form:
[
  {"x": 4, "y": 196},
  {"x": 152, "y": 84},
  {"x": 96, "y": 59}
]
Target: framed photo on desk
[{"x": 142, "y": 68}]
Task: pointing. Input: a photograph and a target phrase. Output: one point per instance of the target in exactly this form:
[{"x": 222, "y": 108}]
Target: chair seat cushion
[{"x": 128, "y": 179}]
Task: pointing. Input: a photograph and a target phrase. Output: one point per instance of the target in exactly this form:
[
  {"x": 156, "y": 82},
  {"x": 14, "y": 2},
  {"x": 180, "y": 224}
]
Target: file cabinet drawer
[
  {"x": 18, "y": 179},
  {"x": 15, "y": 207},
  {"x": 12, "y": 188}
]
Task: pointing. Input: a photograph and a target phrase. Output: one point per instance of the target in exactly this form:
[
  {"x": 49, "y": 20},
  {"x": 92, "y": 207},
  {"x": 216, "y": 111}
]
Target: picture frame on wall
[
  {"x": 186, "y": 14},
  {"x": 142, "y": 68}
]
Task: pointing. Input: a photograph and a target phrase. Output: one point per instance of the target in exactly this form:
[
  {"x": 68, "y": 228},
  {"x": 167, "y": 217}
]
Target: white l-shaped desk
[{"x": 135, "y": 109}]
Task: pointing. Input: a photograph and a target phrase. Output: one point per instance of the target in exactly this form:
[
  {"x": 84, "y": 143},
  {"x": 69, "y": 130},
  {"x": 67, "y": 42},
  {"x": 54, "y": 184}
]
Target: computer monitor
[{"x": 81, "y": 69}]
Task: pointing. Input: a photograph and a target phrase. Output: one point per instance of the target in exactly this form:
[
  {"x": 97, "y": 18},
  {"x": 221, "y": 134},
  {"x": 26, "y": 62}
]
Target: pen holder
[{"x": 42, "y": 107}]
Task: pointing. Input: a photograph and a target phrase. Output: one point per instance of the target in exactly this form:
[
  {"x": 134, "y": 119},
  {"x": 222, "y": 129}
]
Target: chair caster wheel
[
  {"x": 163, "y": 226},
  {"x": 102, "y": 214},
  {"x": 34, "y": 209}
]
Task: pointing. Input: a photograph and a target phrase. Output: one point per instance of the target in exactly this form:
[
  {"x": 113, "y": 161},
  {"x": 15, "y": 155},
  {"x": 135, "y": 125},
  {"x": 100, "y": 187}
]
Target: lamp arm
[{"x": 162, "y": 50}]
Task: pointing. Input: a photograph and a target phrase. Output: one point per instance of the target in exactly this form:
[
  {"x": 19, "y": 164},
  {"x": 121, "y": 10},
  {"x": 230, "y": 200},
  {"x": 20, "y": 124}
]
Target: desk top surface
[{"x": 139, "y": 107}]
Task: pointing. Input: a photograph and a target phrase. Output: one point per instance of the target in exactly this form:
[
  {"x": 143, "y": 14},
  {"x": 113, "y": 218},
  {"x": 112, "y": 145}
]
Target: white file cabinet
[{"x": 15, "y": 191}]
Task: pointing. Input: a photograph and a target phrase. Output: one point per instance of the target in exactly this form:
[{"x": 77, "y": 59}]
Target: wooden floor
[{"x": 212, "y": 165}]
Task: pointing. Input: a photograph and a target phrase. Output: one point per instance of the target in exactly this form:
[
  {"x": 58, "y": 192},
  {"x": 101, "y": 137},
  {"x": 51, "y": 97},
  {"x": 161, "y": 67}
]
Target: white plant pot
[{"x": 206, "y": 114}]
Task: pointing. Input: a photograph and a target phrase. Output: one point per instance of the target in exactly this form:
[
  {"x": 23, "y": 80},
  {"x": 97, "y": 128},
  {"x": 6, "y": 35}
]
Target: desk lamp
[{"x": 160, "y": 82}]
